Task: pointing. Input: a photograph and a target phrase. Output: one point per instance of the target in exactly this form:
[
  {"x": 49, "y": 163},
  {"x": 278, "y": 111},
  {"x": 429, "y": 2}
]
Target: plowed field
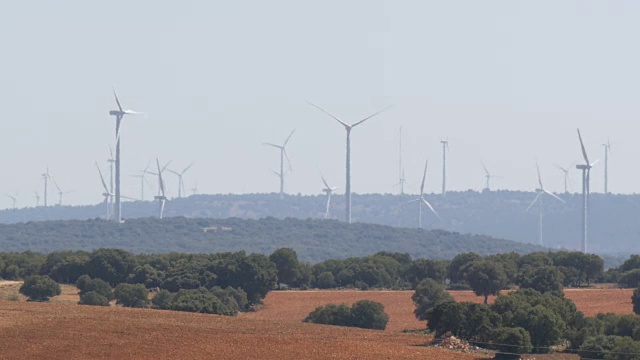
[
  {"x": 294, "y": 306},
  {"x": 61, "y": 331}
]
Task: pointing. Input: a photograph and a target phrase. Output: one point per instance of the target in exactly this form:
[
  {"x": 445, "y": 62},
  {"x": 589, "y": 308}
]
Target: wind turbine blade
[
  {"x": 554, "y": 196},
  {"x": 325, "y": 182},
  {"x": 431, "y": 208},
  {"x": 370, "y": 116},
  {"x": 186, "y": 169},
  {"x": 535, "y": 200},
  {"x": 104, "y": 184},
  {"x": 328, "y": 113},
  {"x": 110, "y": 153},
  {"x": 146, "y": 168},
  {"x": 166, "y": 166},
  {"x": 270, "y": 144},
  {"x": 117, "y": 101},
  {"x": 412, "y": 201},
  {"x": 594, "y": 163},
  {"x": 288, "y": 160},
  {"x": 173, "y": 172},
  {"x": 561, "y": 168},
  {"x": 162, "y": 207},
  {"x": 161, "y": 183},
  {"x": 485, "y": 168},
  {"x": 424, "y": 177},
  {"x": 584, "y": 152},
  {"x": 539, "y": 176},
  {"x": 56, "y": 184},
  {"x": 133, "y": 112},
  {"x": 288, "y": 137}
]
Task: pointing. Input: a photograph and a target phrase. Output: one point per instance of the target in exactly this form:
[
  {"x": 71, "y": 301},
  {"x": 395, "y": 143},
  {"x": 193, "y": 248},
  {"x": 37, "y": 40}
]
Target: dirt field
[
  {"x": 60, "y": 331},
  {"x": 294, "y": 306}
]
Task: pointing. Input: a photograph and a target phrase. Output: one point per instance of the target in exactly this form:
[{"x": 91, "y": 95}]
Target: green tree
[
  {"x": 331, "y": 314},
  {"x": 542, "y": 279},
  {"x": 457, "y": 267},
  {"x": 111, "y": 265},
  {"x": 94, "y": 299},
  {"x": 447, "y": 316},
  {"x": 427, "y": 295},
  {"x": 597, "y": 347},
  {"x": 630, "y": 279},
  {"x": 625, "y": 348},
  {"x": 129, "y": 295},
  {"x": 325, "y": 280},
  {"x": 39, "y": 288},
  {"x": 421, "y": 269},
  {"x": 369, "y": 315},
  {"x": 98, "y": 286},
  {"x": 287, "y": 265},
  {"x": 511, "y": 342},
  {"x": 199, "y": 301},
  {"x": 635, "y": 300},
  {"x": 162, "y": 300},
  {"x": 486, "y": 278}
]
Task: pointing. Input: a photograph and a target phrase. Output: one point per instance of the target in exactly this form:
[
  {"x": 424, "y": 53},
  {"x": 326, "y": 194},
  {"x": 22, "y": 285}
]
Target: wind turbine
[
  {"x": 119, "y": 115},
  {"x": 329, "y": 191},
  {"x": 586, "y": 172},
  {"x": 402, "y": 181},
  {"x": 111, "y": 160},
  {"x": 14, "y": 200},
  {"x": 445, "y": 149},
  {"x": 540, "y": 192},
  {"x": 142, "y": 175},
  {"x": 180, "y": 181},
  {"x": 607, "y": 148},
  {"x": 488, "y": 176},
  {"x": 60, "y": 192},
  {"x": 37, "y": 199},
  {"x": 161, "y": 195},
  {"x": 421, "y": 200},
  {"x": 565, "y": 170},
  {"x": 194, "y": 189},
  {"x": 107, "y": 194},
  {"x": 283, "y": 155},
  {"x": 348, "y": 128},
  {"x": 46, "y": 178}
]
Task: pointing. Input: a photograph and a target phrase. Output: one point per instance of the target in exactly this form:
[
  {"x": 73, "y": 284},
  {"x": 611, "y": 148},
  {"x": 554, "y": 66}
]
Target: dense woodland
[
  {"x": 502, "y": 214},
  {"x": 313, "y": 240}
]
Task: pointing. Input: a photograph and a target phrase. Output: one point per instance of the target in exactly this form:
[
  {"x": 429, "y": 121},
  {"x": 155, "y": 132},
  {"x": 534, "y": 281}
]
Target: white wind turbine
[
  {"x": 403, "y": 180},
  {"x": 181, "y": 188},
  {"x": 161, "y": 197},
  {"x": 60, "y": 192},
  {"x": 445, "y": 149},
  {"x": 488, "y": 176},
  {"x": 586, "y": 174},
  {"x": 540, "y": 193},
  {"x": 14, "y": 200},
  {"x": 329, "y": 191},
  {"x": 46, "y": 177},
  {"x": 607, "y": 149},
  {"x": 565, "y": 171},
  {"x": 37, "y": 195},
  {"x": 119, "y": 115},
  {"x": 348, "y": 129},
  {"x": 421, "y": 200},
  {"x": 107, "y": 194},
  {"x": 283, "y": 155},
  {"x": 141, "y": 176}
]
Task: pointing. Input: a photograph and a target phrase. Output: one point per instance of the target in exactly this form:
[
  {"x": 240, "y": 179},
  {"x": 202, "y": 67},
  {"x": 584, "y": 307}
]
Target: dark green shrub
[
  {"x": 39, "y": 288},
  {"x": 635, "y": 300},
  {"x": 93, "y": 298},
  {"x": 510, "y": 342},
  {"x": 596, "y": 347},
  {"x": 630, "y": 279},
  {"x": 235, "y": 299},
  {"x": 369, "y": 315},
  {"x": 200, "y": 301},
  {"x": 129, "y": 295},
  {"x": 162, "y": 300},
  {"x": 428, "y": 294},
  {"x": 325, "y": 280},
  {"x": 99, "y": 286},
  {"x": 332, "y": 314}
]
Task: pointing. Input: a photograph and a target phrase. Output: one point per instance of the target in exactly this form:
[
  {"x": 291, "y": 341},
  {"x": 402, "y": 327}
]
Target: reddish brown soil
[{"x": 61, "y": 331}]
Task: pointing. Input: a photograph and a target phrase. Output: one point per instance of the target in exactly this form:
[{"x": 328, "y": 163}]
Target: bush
[
  {"x": 428, "y": 294},
  {"x": 510, "y": 342},
  {"x": 39, "y": 288},
  {"x": 162, "y": 300},
  {"x": 200, "y": 301},
  {"x": 98, "y": 286},
  {"x": 325, "y": 280},
  {"x": 597, "y": 347},
  {"x": 129, "y": 295},
  {"x": 447, "y": 316},
  {"x": 635, "y": 299},
  {"x": 93, "y": 298},
  {"x": 235, "y": 299},
  {"x": 630, "y": 279},
  {"x": 369, "y": 315},
  {"x": 363, "y": 314},
  {"x": 542, "y": 279},
  {"x": 624, "y": 349}
]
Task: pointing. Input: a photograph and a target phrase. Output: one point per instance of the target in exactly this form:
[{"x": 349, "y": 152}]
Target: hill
[
  {"x": 502, "y": 214},
  {"x": 313, "y": 240}
]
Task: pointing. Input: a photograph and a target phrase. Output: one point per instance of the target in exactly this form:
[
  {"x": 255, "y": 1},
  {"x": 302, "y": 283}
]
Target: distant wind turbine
[
  {"x": 161, "y": 197},
  {"x": 538, "y": 199},
  {"x": 141, "y": 176},
  {"x": 60, "y": 192},
  {"x": 111, "y": 161},
  {"x": 107, "y": 194},
  {"x": 565, "y": 171},
  {"x": 329, "y": 191},
  {"x": 14, "y": 200},
  {"x": 180, "y": 174},
  {"x": 607, "y": 149},
  {"x": 445, "y": 149},
  {"x": 46, "y": 178},
  {"x": 37, "y": 198},
  {"x": 348, "y": 129},
  {"x": 119, "y": 115},
  {"x": 283, "y": 155},
  {"x": 421, "y": 200},
  {"x": 402, "y": 181},
  {"x": 586, "y": 173},
  {"x": 488, "y": 176}
]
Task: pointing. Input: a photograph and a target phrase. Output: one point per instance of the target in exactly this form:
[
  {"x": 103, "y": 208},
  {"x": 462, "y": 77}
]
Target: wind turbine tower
[
  {"x": 37, "y": 199},
  {"x": 538, "y": 199},
  {"x": 488, "y": 176},
  {"x": 586, "y": 172},
  {"x": 607, "y": 148},
  {"x": 402, "y": 181},
  {"x": 348, "y": 129},
  {"x": 46, "y": 178},
  {"x": 161, "y": 197},
  {"x": 283, "y": 155},
  {"x": 421, "y": 200},
  {"x": 329, "y": 191},
  {"x": 445, "y": 149},
  {"x": 119, "y": 115}
]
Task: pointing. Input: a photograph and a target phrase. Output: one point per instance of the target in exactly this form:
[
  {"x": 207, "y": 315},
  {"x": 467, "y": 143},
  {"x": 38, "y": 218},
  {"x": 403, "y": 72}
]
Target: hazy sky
[{"x": 507, "y": 82}]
